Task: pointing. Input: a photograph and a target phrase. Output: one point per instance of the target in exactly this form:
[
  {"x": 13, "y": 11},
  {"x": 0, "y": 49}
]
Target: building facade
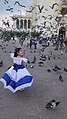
[
  {"x": 62, "y": 13},
  {"x": 38, "y": 19},
  {"x": 22, "y": 22}
]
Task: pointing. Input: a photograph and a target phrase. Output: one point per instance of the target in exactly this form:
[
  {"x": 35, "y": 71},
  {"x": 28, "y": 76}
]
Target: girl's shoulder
[{"x": 18, "y": 59}]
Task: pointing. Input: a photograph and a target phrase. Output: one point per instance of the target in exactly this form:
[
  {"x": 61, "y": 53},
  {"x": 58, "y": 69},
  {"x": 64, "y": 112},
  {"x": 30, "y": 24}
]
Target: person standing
[
  {"x": 35, "y": 42},
  {"x": 31, "y": 42},
  {"x": 61, "y": 37}
]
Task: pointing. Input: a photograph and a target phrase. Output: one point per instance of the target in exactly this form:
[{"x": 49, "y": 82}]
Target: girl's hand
[{"x": 23, "y": 63}]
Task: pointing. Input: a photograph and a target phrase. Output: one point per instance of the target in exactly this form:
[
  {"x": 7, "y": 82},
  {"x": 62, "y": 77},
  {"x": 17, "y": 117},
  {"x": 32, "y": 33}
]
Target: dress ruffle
[{"x": 17, "y": 78}]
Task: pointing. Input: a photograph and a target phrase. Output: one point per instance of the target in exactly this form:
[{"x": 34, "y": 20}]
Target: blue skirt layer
[{"x": 13, "y": 85}]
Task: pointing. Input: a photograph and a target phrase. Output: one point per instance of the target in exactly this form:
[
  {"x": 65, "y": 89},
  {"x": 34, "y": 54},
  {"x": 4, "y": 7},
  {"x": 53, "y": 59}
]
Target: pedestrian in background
[{"x": 35, "y": 42}]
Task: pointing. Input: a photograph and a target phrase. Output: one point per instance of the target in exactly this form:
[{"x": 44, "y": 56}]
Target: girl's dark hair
[{"x": 16, "y": 50}]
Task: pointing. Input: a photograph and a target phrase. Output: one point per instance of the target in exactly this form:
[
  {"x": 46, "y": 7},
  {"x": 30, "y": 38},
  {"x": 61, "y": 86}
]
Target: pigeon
[
  {"x": 43, "y": 59},
  {"x": 40, "y": 64},
  {"x": 31, "y": 66},
  {"x": 46, "y": 9},
  {"x": 58, "y": 68},
  {"x": 31, "y": 51},
  {"x": 13, "y": 18},
  {"x": 19, "y": 4},
  {"x": 50, "y": 17},
  {"x": 54, "y": 57},
  {"x": 51, "y": 52},
  {"x": 10, "y": 9},
  {"x": 44, "y": 17},
  {"x": 28, "y": 61},
  {"x": 31, "y": 9},
  {"x": 2, "y": 48},
  {"x": 53, "y": 5},
  {"x": 40, "y": 8},
  {"x": 58, "y": 57},
  {"x": 34, "y": 60},
  {"x": 5, "y": 2},
  {"x": 34, "y": 51},
  {"x": 60, "y": 78},
  {"x": 48, "y": 70},
  {"x": 0, "y": 45},
  {"x": 5, "y": 51},
  {"x": 54, "y": 69},
  {"x": 52, "y": 104},
  {"x": 1, "y": 63},
  {"x": 57, "y": 19},
  {"x": 48, "y": 58},
  {"x": 66, "y": 51},
  {"x": 65, "y": 69}
]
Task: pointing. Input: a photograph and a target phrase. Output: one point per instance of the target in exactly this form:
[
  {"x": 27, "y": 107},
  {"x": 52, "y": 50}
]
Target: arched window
[
  {"x": 17, "y": 23},
  {"x": 25, "y": 24},
  {"x": 21, "y": 24},
  {"x": 29, "y": 24}
]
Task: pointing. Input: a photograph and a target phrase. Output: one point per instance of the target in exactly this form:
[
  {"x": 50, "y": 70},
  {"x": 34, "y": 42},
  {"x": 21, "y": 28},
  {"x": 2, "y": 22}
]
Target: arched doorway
[
  {"x": 25, "y": 24},
  {"x": 29, "y": 24},
  {"x": 21, "y": 24},
  {"x": 17, "y": 23}
]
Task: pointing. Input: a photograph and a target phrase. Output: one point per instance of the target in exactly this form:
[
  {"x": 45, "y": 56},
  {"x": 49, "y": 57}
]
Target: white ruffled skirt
[{"x": 17, "y": 78}]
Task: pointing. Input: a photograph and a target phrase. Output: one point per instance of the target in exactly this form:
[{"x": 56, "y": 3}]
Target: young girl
[{"x": 17, "y": 77}]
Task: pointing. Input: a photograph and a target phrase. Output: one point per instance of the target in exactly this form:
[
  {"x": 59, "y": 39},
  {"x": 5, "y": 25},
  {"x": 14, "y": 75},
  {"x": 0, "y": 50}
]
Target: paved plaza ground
[{"x": 31, "y": 103}]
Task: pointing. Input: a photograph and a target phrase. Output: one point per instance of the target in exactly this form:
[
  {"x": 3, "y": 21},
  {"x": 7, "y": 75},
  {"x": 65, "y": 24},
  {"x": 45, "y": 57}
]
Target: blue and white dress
[{"x": 17, "y": 77}]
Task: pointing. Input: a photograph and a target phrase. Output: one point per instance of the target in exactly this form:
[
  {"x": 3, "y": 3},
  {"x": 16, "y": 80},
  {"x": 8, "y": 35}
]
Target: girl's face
[{"x": 19, "y": 53}]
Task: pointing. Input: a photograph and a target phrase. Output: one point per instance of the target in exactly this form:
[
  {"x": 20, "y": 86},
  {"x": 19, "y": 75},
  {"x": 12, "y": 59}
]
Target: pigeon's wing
[
  {"x": 7, "y": 9},
  {"x": 42, "y": 8},
  {"x": 6, "y": 1},
  {"x": 52, "y": 101},
  {"x": 16, "y": 3},
  {"x": 24, "y": 6},
  {"x": 33, "y": 8},
  {"x": 57, "y": 103},
  {"x": 48, "y": 105},
  {"x": 52, "y": 6},
  {"x": 55, "y": 4},
  {"x": 39, "y": 7}
]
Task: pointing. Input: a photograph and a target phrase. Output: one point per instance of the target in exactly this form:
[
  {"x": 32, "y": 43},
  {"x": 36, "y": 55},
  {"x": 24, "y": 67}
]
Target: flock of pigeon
[
  {"x": 42, "y": 58},
  {"x": 41, "y": 8},
  {"x": 51, "y": 104}
]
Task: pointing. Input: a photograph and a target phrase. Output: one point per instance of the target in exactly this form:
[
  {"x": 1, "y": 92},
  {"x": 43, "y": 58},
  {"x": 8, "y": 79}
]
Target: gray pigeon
[{"x": 52, "y": 104}]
